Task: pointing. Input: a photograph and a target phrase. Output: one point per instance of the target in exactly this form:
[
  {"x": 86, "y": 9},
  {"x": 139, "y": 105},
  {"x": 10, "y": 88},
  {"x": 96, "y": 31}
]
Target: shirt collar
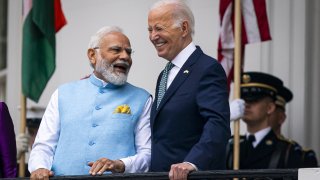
[
  {"x": 260, "y": 134},
  {"x": 183, "y": 56},
  {"x": 101, "y": 83}
]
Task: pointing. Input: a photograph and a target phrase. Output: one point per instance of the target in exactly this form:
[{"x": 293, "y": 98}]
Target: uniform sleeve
[
  {"x": 293, "y": 156},
  {"x": 309, "y": 159}
]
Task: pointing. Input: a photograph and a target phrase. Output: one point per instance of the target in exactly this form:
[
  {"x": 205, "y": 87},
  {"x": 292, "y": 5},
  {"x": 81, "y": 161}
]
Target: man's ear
[
  {"x": 282, "y": 117},
  {"x": 271, "y": 107},
  {"x": 91, "y": 53},
  {"x": 185, "y": 28}
]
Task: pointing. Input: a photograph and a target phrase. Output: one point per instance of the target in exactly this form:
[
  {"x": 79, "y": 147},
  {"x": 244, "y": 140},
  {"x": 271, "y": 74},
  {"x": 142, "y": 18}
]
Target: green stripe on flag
[{"x": 38, "y": 51}]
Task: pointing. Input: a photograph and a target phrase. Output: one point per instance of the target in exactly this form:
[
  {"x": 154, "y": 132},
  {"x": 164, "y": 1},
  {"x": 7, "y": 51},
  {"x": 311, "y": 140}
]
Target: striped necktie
[{"x": 163, "y": 82}]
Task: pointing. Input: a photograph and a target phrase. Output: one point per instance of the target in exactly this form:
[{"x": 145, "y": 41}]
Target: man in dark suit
[
  {"x": 261, "y": 148},
  {"x": 190, "y": 115}
]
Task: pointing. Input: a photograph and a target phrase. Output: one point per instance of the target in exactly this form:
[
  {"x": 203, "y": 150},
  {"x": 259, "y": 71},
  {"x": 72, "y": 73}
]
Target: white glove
[
  {"x": 22, "y": 141},
  {"x": 236, "y": 109}
]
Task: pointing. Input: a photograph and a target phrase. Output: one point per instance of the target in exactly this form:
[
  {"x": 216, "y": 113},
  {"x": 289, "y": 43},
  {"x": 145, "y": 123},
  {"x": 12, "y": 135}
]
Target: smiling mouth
[
  {"x": 121, "y": 67},
  {"x": 159, "y": 44}
]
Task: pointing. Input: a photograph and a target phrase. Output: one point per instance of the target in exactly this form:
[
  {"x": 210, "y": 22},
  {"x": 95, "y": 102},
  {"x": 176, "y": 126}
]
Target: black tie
[
  {"x": 248, "y": 154},
  {"x": 251, "y": 139}
]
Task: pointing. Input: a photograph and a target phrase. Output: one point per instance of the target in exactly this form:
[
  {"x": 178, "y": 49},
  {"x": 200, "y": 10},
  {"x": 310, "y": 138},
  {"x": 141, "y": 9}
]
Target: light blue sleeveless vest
[{"x": 89, "y": 128}]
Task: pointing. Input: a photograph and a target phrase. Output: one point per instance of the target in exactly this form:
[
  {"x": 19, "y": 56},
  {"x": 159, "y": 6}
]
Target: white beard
[{"x": 107, "y": 71}]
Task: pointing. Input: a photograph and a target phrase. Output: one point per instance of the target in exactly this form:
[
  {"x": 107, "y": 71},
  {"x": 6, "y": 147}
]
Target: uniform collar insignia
[{"x": 269, "y": 142}]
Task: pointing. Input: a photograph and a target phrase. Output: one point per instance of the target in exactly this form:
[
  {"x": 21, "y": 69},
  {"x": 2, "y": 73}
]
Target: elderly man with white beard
[{"x": 96, "y": 125}]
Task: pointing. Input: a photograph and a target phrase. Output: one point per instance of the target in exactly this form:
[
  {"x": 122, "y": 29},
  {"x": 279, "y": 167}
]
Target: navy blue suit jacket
[{"x": 192, "y": 122}]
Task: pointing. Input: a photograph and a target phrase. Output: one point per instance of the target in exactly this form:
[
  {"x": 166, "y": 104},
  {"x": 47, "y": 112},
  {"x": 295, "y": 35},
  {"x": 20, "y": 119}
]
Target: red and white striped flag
[{"x": 255, "y": 28}]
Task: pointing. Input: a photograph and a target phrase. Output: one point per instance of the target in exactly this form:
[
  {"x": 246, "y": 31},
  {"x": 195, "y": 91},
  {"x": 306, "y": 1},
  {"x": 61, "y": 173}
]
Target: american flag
[{"x": 255, "y": 28}]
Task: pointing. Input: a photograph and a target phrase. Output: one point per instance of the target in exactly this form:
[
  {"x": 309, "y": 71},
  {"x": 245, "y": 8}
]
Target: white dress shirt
[
  {"x": 179, "y": 60},
  {"x": 259, "y": 136},
  {"x": 48, "y": 135}
]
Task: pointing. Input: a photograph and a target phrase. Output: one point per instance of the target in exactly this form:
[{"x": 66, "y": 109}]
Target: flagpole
[
  {"x": 22, "y": 165},
  {"x": 237, "y": 70}
]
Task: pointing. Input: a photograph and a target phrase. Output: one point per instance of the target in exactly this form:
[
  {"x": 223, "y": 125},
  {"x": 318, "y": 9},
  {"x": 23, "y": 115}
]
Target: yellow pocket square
[{"x": 123, "y": 109}]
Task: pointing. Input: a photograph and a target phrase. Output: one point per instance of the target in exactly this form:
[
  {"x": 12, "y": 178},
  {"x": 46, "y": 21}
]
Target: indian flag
[{"x": 42, "y": 19}]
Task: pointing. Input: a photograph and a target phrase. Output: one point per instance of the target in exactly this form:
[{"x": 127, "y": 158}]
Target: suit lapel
[
  {"x": 154, "y": 104},
  {"x": 182, "y": 75}
]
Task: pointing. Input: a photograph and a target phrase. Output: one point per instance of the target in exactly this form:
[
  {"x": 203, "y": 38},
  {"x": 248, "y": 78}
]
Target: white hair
[
  {"x": 181, "y": 12},
  {"x": 97, "y": 37}
]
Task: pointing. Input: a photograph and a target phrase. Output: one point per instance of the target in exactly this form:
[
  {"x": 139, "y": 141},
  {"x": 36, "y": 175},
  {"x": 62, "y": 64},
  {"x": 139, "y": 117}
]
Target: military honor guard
[
  {"x": 260, "y": 147},
  {"x": 284, "y": 96}
]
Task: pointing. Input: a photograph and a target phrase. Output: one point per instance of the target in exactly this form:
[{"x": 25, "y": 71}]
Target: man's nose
[
  {"x": 124, "y": 55},
  {"x": 153, "y": 35}
]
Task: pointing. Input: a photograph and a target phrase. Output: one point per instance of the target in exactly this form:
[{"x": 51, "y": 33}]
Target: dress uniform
[
  {"x": 271, "y": 153},
  {"x": 307, "y": 156},
  {"x": 266, "y": 150}
]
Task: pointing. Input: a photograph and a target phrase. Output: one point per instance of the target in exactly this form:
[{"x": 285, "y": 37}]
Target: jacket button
[{"x": 91, "y": 143}]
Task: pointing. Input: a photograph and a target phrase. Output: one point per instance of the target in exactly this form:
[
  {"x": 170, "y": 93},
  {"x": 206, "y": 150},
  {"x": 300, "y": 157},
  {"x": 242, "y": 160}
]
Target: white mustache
[{"x": 121, "y": 63}]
